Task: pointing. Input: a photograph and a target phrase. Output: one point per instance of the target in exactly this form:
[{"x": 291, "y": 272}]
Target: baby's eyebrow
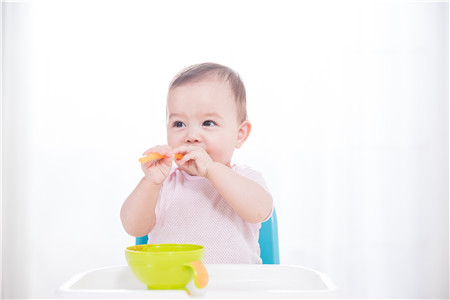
[
  {"x": 176, "y": 115},
  {"x": 213, "y": 115}
]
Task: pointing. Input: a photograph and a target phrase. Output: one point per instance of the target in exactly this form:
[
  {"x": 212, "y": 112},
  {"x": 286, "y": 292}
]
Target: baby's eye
[
  {"x": 209, "y": 123},
  {"x": 178, "y": 124}
]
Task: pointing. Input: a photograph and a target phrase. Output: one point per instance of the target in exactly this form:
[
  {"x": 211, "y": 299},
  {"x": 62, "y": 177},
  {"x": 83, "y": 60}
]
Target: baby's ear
[{"x": 244, "y": 132}]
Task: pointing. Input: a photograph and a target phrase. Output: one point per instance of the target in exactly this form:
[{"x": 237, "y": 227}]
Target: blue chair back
[{"x": 268, "y": 240}]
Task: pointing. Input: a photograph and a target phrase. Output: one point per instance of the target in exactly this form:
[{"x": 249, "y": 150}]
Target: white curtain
[{"x": 349, "y": 105}]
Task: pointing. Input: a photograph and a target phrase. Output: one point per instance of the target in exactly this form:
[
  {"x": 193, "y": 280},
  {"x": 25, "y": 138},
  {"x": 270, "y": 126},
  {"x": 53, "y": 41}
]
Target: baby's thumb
[{"x": 168, "y": 161}]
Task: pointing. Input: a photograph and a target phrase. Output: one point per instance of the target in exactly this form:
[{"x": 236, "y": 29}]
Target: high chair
[
  {"x": 268, "y": 240},
  {"x": 269, "y": 280}
]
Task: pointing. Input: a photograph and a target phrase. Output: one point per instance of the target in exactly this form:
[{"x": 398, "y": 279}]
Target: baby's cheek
[
  {"x": 222, "y": 156},
  {"x": 173, "y": 142}
]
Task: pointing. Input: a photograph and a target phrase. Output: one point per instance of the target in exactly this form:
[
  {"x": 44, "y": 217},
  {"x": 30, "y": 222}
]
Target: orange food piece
[
  {"x": 178, "y": 156},
  {"x": 153, "y": 156},
  {"x": 201, "y": 276}
]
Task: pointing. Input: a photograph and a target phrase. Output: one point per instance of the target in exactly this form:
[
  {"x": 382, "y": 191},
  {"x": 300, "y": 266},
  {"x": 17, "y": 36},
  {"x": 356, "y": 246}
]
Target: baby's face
[{"x": 204, "y": 114}]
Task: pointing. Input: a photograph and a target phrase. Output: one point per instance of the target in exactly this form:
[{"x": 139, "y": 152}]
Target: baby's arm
[
  {"x": 247, "y": 197},
  {"x": 138, "y": 210}
]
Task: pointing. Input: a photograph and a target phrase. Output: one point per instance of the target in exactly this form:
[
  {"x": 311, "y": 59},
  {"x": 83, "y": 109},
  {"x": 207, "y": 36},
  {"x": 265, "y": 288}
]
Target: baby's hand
[
  {"x": 157, "y": 170},
  {"x": 195, "y": 160}
]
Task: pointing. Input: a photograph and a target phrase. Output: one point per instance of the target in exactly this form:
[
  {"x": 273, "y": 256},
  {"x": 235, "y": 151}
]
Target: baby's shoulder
[
  {"x": 251, "y": 173},
  {"x": 245, "y": 170}
]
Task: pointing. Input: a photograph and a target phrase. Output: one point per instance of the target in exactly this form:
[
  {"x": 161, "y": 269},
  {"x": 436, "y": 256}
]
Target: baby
[{"x": 204, "y": 200}]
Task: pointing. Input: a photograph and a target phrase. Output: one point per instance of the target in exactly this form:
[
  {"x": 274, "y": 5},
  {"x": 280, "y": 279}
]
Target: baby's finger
[
  {"x": 161, "y": 149},
  {"x": 156, "y": 153},
  {"x": 147, "y": 165},
  {"x": 193, "y": 155},
  {"x": 150, "y": 150},
  {"x": 186, "y": 149},
  {"x": 181, "y": 150}
]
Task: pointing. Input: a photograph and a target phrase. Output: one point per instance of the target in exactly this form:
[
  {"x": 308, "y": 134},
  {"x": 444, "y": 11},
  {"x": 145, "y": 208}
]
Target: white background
[{"x": 349, "y": 103}]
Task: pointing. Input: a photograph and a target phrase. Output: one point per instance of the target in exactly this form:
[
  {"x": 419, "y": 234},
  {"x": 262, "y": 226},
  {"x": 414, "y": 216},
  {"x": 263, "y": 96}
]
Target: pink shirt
[{"x": 191, "y": 211}]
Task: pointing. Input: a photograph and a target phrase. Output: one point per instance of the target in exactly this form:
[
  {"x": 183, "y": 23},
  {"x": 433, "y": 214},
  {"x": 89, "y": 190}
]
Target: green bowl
[{"x": 167, "y": 266}]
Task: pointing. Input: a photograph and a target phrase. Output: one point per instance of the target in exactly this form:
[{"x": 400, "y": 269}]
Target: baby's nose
[
  {"x": 192, "y": 140},
  {"x": 193, "y": 136}
]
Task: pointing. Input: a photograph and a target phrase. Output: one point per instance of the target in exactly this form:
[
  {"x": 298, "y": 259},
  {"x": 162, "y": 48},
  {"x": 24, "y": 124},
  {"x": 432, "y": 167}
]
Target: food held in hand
[{"x": 153, "y": 156}]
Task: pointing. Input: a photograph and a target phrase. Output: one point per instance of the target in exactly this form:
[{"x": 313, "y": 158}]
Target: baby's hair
[{"x": 199, "y": 72}]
